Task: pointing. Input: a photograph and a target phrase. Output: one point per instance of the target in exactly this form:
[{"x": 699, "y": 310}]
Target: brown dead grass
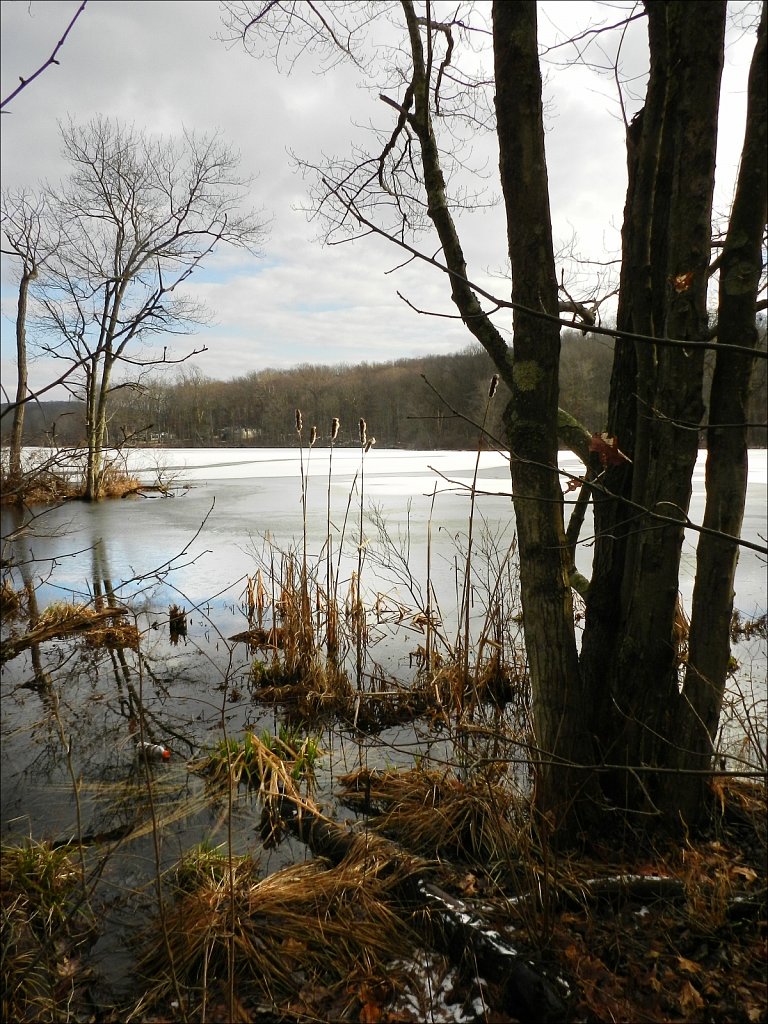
[
  {"x": 434, "y": 813},
  {"x": 49, "y": 488},
  {"x": 100, "y": 627},
  {"x": 115, "y": 483},
  {"x": 43, "y": 927},
  {"x": 306, "y": 929},
  {"x": 11, "y": 601},
  {"x": 43, "y": 488}
]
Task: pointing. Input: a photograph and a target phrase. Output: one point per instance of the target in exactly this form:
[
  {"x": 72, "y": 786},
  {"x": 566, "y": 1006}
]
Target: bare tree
[
  {"x": 614, "y": 727},
  {"x": 33, "y": 244},
  {"x": 137, "y": 216}
]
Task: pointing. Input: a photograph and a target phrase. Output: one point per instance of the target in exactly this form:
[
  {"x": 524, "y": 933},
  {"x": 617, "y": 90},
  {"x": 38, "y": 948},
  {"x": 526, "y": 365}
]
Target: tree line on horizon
[{"x": 436, "y": 401}]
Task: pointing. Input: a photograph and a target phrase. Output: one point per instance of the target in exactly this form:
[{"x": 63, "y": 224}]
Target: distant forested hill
[
  {"x": 406, "y": 403},
  {"x": 60, "y": 423},
  {"x": 410, "y": 403}
]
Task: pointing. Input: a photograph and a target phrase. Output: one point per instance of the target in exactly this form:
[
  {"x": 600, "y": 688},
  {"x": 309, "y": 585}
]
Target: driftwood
[{"x": 528, "y": 994}]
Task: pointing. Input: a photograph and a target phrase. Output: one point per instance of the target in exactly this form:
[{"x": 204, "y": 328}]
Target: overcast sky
[{"x": 160, "y": 66}]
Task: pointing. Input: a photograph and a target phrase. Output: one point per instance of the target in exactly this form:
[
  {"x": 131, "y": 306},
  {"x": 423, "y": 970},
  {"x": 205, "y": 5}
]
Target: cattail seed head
[
  {"x": 334, "y": 428},
  {"x": 312, "y": 436},
  {"x": 370, "y": 443},
  {"x": 298, "y": 420},
  {"x": 494, "y": 385},
  {"x": 363, "y": 429}
]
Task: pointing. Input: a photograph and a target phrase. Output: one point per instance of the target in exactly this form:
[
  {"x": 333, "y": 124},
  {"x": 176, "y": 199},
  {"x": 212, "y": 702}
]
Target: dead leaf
[
  {"x": 688, "y": 965},
  {"x": 744, "y": 872},
  {"x": 469, "y": 884},
  {"x": 682, "y": 282},
  {"x": 608, "y": 450},
  {"x": 690, "y": 999}
]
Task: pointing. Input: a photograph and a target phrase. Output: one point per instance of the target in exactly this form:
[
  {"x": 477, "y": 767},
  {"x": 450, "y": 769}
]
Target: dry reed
[{"x": 308, "y": 925}]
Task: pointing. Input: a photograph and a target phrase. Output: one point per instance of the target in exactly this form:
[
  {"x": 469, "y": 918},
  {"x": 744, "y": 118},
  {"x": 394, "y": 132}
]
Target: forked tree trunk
[
  {"x": 621, "y": 704},
  {"x": 629, "y": 654}
]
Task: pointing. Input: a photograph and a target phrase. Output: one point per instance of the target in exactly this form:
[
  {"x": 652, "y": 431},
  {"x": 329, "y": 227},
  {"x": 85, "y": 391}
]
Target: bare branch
[{"x": 51, "y": 60}]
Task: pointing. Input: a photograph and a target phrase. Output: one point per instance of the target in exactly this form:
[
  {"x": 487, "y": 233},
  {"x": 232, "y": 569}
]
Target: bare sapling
[
  {"x": 466, "y": 597},
  {"x": 358, "y": 612}
]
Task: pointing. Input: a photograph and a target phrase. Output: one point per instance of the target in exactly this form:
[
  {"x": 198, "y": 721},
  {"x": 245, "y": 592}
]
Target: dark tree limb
[{"x": 528, "y": 994}]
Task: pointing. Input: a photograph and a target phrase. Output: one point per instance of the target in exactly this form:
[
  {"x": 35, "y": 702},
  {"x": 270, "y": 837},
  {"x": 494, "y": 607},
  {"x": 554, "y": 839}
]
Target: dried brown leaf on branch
[
  {"x": 607, "y": 448},
  {"x": 682, "y": 282}
]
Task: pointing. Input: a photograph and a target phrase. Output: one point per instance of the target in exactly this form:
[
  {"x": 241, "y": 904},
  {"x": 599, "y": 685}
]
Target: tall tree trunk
[
  {"x": 531, "y": 419},
  {"x": 22, "y": 378},
  {"x": 91, "y": 376},
  {"x": 629, "y": 650},
  {"x": 726, "y": 475},
  {"x": 97, "y": 429}
]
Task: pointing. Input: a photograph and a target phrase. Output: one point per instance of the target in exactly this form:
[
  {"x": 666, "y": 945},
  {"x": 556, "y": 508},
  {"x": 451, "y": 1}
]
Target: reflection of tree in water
[{"x": 93, "y": 713}]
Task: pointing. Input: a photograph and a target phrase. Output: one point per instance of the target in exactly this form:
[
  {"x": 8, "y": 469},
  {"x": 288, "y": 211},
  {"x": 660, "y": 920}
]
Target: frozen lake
[{"x": 236, "y": 497}]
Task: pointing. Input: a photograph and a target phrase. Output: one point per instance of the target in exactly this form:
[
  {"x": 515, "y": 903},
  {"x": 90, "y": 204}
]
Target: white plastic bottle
[{"x": 153, "y": 751}]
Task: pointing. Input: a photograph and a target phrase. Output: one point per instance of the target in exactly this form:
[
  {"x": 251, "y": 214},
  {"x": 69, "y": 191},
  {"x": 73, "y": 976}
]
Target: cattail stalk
[
  {"x": 365, "y": 446},
  {"x": 330, "y": 583},
  {"x": 305, "y": 610}
]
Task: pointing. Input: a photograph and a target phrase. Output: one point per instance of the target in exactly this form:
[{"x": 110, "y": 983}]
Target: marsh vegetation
[{"x": 342, "y": 827}]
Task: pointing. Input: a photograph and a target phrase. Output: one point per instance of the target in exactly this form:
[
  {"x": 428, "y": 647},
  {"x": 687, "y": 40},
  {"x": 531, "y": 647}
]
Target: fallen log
[{"x": 528, "y": 994}]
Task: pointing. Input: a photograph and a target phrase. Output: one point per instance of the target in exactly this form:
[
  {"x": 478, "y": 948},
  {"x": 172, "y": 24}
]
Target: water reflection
[{"x": 183, "y": 578}]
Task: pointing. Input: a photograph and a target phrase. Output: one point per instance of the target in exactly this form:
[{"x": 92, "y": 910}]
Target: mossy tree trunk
[{"x": 531, "y": 417}]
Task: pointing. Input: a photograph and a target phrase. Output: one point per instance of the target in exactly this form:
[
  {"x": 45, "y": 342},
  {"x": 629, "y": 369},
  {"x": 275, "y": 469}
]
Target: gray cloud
[{"x": 159, "y": 65}]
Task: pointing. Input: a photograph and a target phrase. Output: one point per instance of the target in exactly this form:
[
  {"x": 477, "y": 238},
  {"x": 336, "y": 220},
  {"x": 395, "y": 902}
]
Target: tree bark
[
  {"x": 726, "y": 473},
  {"x": 531, "y": 419},
  {"x": 628, "y": 643},
  {"x": 17, "y": 427}
]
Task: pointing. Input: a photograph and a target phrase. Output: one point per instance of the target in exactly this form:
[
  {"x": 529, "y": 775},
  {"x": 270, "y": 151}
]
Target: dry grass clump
[
  {"x": 117, "y": 636},
  {"x": 437, "y": 814},
  {"x": 302, "y": 930},
  {"x": 41, "y": 929},
  {"x": 47, "y": 486},
  {"x": 67, "y": 617},
  {"x": 317, "y": 690},
  {"x": 102, "y": 627},
  {"x": 11, "y": 600},
  {"x": 116, "y": 483},
  {"x": 37, "y": 488},
  {"x": 745, "y": 629},
  {"x": 61, "y": 619}
]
